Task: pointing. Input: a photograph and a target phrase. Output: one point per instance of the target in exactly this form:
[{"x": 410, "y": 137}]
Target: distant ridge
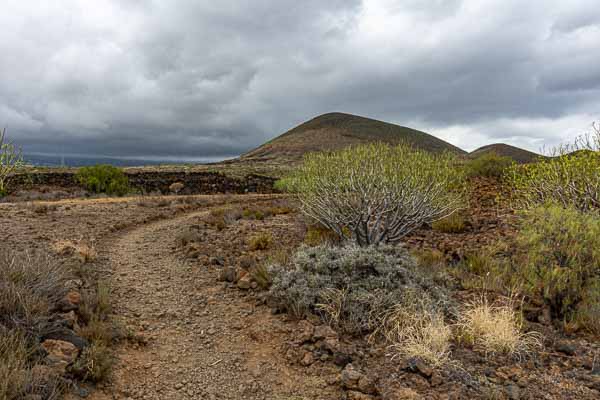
[
  {"x": 521, "y": 156},
  {"x": 335, "y": 131}
]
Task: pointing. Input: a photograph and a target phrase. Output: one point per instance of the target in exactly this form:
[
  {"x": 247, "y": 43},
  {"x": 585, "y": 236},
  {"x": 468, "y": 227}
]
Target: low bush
[
  {"x": 103, "y": 179},
  {"x": 220, "y": 218},
  {"x": 572, "y": 180},
  {"x": 377, "y": 193},
  {"x": 454, "y": 223},
  {"x": 496, "y": 329},
  {"x": 262, "y": 241},
  {"x": 350, "y": 287},
  {"x": 489, "y": 165},
  {"x": 317, "y": 234},
  {"x": 94, "y": 364},
  {"x": 11, "y": 161},
  {"x": 188, "y": 236},
  {"x": 558, "y": 253},
  {"x": 253, "y": 213},
  {"x": 261, "y": 275}
]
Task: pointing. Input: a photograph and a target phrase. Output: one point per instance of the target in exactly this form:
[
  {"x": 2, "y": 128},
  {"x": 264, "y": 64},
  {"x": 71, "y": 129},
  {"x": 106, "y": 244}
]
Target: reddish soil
[{"x": 208, "y": 338}]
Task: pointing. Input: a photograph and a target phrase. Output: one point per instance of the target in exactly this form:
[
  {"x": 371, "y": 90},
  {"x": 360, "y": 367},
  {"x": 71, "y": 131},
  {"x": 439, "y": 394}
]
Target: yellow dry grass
[{"x": 496, "y": 328}]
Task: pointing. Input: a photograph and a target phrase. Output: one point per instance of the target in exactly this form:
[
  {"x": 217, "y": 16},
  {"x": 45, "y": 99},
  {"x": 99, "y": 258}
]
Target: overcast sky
[{"x": 197, "y": 78}]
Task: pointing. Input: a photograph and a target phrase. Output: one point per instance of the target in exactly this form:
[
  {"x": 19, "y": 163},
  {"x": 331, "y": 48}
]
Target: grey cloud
[{"x": 205, "y": 78}]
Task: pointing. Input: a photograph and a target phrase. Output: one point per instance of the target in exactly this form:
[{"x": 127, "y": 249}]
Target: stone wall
[{"x": 156, "y": 181}]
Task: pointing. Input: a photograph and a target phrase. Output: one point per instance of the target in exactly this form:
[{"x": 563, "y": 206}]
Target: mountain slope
[
  {"x": 337, "y": 130},
  {"x": 521, "y": 156}
]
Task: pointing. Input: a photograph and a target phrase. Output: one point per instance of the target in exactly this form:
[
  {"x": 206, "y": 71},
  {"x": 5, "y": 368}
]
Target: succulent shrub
[
  {"x": 570, "y": 178},
  {"x": 377, "y": 193},
  {"x": 350, "y": 287},
  {"x": 558, "y": 254},
  {"x": 103, "y": 179},
  {"x": 489, "y": 165},
  {"x": 11, "y": 161}
]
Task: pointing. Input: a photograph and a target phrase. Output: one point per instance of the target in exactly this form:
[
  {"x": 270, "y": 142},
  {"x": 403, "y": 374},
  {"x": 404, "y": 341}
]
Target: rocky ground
[{"x": 206, "y": 332}]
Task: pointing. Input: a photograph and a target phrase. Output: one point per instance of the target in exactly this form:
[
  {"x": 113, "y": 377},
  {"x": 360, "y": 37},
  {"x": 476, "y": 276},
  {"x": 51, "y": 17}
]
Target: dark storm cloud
[{"x": 204, "y": 78}]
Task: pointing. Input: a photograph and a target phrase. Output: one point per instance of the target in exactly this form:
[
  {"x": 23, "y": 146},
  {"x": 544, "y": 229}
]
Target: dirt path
[{"x": 205, "y": 341}]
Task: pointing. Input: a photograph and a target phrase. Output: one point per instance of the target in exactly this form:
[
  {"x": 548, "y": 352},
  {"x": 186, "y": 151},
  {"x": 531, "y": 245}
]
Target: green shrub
[
  {"x": 11, "y": 161},
  {"x": 103, "y": 179},
  {"x": 350, "y": 287},
  {"x": 454, "y": 223},
  {"x": 558, "y": 251},
  {"x": 489, "y": 165},
  {"x": 376, "y": 193},
  {"x": 571, "y": 180}
]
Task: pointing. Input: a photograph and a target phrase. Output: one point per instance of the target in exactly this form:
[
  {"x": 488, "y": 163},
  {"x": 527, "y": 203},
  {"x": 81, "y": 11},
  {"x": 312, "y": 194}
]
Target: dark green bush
[
  {"x": 103, "y": 179},
  {"x": 558, "y": 252},
  {"x": 351, "y": 287},
  {"x": 489, "y": 165}
]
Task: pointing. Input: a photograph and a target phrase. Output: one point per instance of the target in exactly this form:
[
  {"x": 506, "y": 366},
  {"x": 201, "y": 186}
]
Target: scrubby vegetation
[
  {"x": 571, "y": 178},
  {"x": 559, "y": 258},
  {"x": 417, "y": 330},
  {"x": 262, "y": 241},
  {"x": 454, "y": 223},
  {"x": 351, "y": 287},
  {"x": 376, "y": 193},
  {"x": 489, "y": 165},
  {"x": 11, "y": 161},
  {"x": 30, "y": 286},
  {"x": 103, "y": 179},
  {"x": 496, "y": 328}
]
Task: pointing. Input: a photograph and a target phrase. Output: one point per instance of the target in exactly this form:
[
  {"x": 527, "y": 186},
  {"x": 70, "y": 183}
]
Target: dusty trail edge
[{"x": 204, "y": 341}]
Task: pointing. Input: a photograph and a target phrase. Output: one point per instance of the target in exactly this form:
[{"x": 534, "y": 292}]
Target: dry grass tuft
[
  {"x": 86, "y": 253},
  {"x": 13, "y": 365},
  {"x": 454, "y": 223},
  {"x": 317, "y": 235},
  {"x": 30, "y": 286},
  {"x": 496, "y": 329},
  {"x": 261, "y": 275},
  {"x": 262, "y": 241},
  {"x": 95, "y": 363},
  {"x": 417, "y": 332}
]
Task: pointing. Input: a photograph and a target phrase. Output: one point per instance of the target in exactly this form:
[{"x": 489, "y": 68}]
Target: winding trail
[{"x": 205, "y": 341}]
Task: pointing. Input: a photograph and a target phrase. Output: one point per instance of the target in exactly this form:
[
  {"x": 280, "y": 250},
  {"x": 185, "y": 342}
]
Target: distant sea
[{"x": 52, "y": 160}]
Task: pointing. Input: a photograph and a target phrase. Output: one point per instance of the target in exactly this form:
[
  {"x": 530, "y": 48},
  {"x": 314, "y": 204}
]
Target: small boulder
[
  {"x": 305, "y": 332},
  {"x": 60, "y": 354},
  {"x": 245, "y": 282},
  {"x": 70, "y": 302},
  {"x": 350, "y": 377},
  {"x": 307, "y": 359},
  {"x": 323, "y": 332}
]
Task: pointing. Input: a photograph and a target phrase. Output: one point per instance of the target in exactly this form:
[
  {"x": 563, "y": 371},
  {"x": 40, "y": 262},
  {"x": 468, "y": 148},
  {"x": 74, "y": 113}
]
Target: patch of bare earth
[{"x": 203, "y": 341}]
